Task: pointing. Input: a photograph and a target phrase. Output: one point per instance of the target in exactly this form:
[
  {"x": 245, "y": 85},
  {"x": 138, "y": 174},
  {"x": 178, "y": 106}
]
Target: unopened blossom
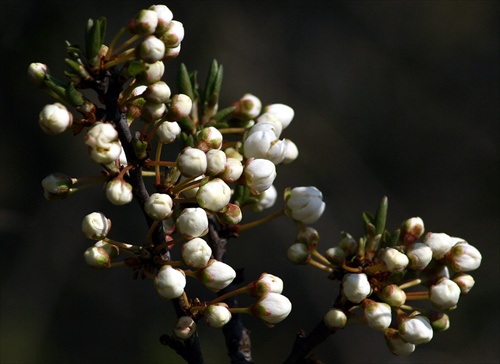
[
  {"x": 171, "y": 53},
  {"x": 97, "y": 257},
  {"x": 170, "y": 282},
  {"x": 143, "y": 23},
  {"x": 465, "y": 282},
  {"x": 444, "y": 294},
  {"x": 411, "y": 230},
  {"x": 157, "y": 93},
  {"x": 164, "y": 15},
  {"x": 213, "y": 195},
  {"x": 264, "y": 144},
  {"x": 259, "y": 175},
  {"x": 57, "y": 186},
  {"x": 38, "y": 72},
  {"x": 377, "y": 314},
  {"x": 216, "y": 275},
  {"x": 439, "y": 321},
  {"x": 192, "y": 162},
  {"x": 291, "y": 152},
  {"x": 233, "y": 169},
  {"x": 396, "y": 344},
  {"x": 393, "y": 295},
  {"x": 112, "y": 250},
  {"x": 192, "y": 222},
  {"x": 209, "y": 138},
  {"x": 230, "y": 214},
  {"x": 304, "y": 204},
  {"x": 152, "y": 112},
  {"x": 152, "y": 74},
  {"x": 464, "y": 257},
  {"x": 308, "y": 235},
  {"x": 216, "y": 162},
  {"x": 150, "y": 49},
  {"x": 267, "y": 122},
  {"x": 335, "y": 319},
  {"x": 103, "y": 143},
  {"x": 196, "y": 253},
  {"x": 348, "y": 244},
  {"x": 184, "y": 328},
  {"x": 416, "y": 330},
  {"x": 394, "y": 260},
  {"x": 96, "y": 226},
  {"x": 283, "y": 112},
  {"x": 266, "y": 199},
  {"x": 158, "y": 206},
  {"x": 217, "y": 315},
  {"x": 420, "y": 255},
  {"x": 298, "y": 253},
  {"x": 55, "y": 119},
  {"x": 119, "y": 192},
  {"x": 173, "y": 34},
  {"x": 356, "y": 287},
  {"x": 272, "y": 308},
  {"x": 168, "y": 132},
  {"x": 440, "y": 243},
  {"x": 335, "y": 255},
  {"x": 265, "y": 284},
  {"x": 180, "y": 107},
  {"x": 247, "y": 107}
]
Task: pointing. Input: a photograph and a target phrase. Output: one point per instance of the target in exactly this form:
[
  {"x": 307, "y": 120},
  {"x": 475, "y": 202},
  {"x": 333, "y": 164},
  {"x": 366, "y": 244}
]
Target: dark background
[{"x": 395, "y": 98}]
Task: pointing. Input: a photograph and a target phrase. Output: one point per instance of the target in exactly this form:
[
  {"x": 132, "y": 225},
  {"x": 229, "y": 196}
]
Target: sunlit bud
[
  {"x": 119, "y": 192},
  {"x": 266, "y": 199},
  {"x": 217, "y": 315},
  {"x": 464, "y": 257},
  {"x": 419, "y": 255},
  {"x": 307, "y": 235},
  {"x": 298, "y": 254},
  {"x": 192, "y": 162},
  {"x": 465, "y": 282},
  {"x": 377, "y": 314},
  {"x": 416, "y": 330},
  {"x": 356, "y": 287},
  {"x": 248, "y": 107},
  {"x": 170, "y": 282},
  {"x": 184, "y": 328},
  {"x": 440, "y": 243},
  {"x": 230, "y": 214},
  {"x": 56, "y": 186},
  {"x": 122, "y": 160},
  {"x": 433, "y": 273},
  {"x": 216, "y": 162},
  {"x": 97, "y": 257},
  {"x": 153, "y": 74},
  {"x": 168, "y": 131},
  {"x": 213, "y": 195},
  {"x": 105, "y": 155},
  {"x": 272, "y": 308},
  {"x": 232, "y": 170},
  {"x": 96, "y": 226},
  {"x": 291, "y": 152},
  {"x": 335, "y": 255},
  {"x": 444, "y": 294},
  {"x": 173, "y": 35},
  {"x": 209, "y": 138},
  {"x": 396, "y": 344},
  {"x": 112, "y": 250},
  {"x": 216, "y": 275},
  {"x": 394, "y": 260},
  {"x": 164, "y": 15},
  {"x": 144, "y": 23},
  {"x": 439, "y": 321},
  {"x": 304, "y": 204},
  {"x": 259, "y": 174},
  {"x": 180, "y": 107},
  {"x": 158, "y": 93},
  {"x": 152, "y": 112},
  {"x": 192, "y": 222},
  {"x": 171, "y": 53},
  {"x": 101, "y": 136},
  {"x": 150, "y": 50},
  {"x": 348, "y": 244},
  {"x": 37, "y": 72},
  {"x": 335, "y": 319},
  {"x": 284, "y": 113},
  {"x": 393, "y": 295},
  {"x": 263, "y": 144},
  {"x": 196, "y": 253},
  {"x": 411, "y": 230},
  {"x": 265, "y": 284},
  {"x": 267, "y": 122},
  {"x": 55, "y": 119},
  {"x": 158, "y": 206}
]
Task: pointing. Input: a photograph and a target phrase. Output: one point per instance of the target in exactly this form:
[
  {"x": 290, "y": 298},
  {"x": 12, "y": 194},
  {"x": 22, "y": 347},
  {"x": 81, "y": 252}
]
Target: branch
[{"x": 304, "y": 344}]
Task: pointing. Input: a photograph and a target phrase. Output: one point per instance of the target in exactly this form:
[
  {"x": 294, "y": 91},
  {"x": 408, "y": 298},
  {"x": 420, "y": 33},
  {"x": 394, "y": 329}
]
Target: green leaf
[
  {"x": 381, "y": 216},
  {"x": 222, "y": 114},
  {"x": 94, "y": 38},
  {"x": 210, "y": 82},
  {"x": 73, "y": 96},
  {"x": 184, "y": 82},
  {"x": 368, "y": 218}
]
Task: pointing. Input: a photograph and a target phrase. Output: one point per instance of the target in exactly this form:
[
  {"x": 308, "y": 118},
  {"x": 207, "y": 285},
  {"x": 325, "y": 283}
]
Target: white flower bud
[
  {"x": 55, "y": 119},
  {"x": 444, "y": 294},
  {"x": 394, "y": 260},
  {"x": 265, "y": 284},
  {"x": 248, "y": 107},
  {"x": 158, "y": 206},
  {"x": 416, "y": 330},
  {"x": 464, "y": 257},
  {"x": 112, "y": 250},
  {"x": 335, "y": 255},
  {"x": 37, "y": 72},
  {"x": 291, "y": 152},
  {"x": 298, "y": 253},
  {"x": 335, "y": 319},
  {"x": 272, "y": 308},
  {"x": 217, "y": 315},
  {"x": 411, "y": 230},
  {"x": 97, "y": 257},
  {"x": 213, "y": 195},
  {"x": 232, "y": 170},
  {"x": 284, "y": 113},
  {"x": 266, "y": 199},
  {"x": 304, "y": 204},
  {"x": 439, "y": 321},
  {"x": 164, "y": 15},
  {"x": 144, "y": 23},
  {"x": 465, "y": 282},
  {"x": 348, "y": 244},
  {"x": 393, "y": 295},
  {"x": 102, "y": 137},
  {"x": 396, "y": 344},
  {"x": 57, "y": 186},
  {"x": 173, "y": 35},
  {"x": 420, "y": 255},
  {"x": 377, "y": 314},
  {"x": 259, "y": 175},
  {"x": 216, "y": 275},
  {"x": 180, "y": 107},
  {"x": 216, "y": 162},
  {"x": 356, "y": 287},
  {"x": 184, "y": 328},
  {"x": 152, "y": 112},
  {"x": 190, "y": 192},
  {"x": 267, "y": 122},
  {"x": 263, "y": 144},
  {"x": 150, "y": 50},
  {"x": 192, "y": 162},
  {"x": 192, "y": 222},
  {"x": 153, "y": 74},
  {"x": 209, "y": 138},
  {"x": 96, "y": 226},
  {"x": 309, "y": 236},
  {"x": 158, "y": 93},
  {"x": 172, "y": 53},
  {"x": 196, "y": 253},
  {"x": 170, "y": 282},
  {"x": 440, "y": 243},
  {"x": 105, "y": 155},
  {"x": 168, "y": 131},
  {"x": 230, "y": 214},
  {"x": 119, "y": 192}
]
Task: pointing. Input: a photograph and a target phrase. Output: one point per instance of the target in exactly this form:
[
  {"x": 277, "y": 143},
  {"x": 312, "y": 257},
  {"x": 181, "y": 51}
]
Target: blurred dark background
[{"x": 396, "y": 98}]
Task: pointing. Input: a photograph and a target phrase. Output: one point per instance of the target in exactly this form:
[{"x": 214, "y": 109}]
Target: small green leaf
[
  {"x": 210, "y": 82},
  {"x": 94, "y": 38},
  {"x": 222, "y": 113},
  {"x": 381, "y": 216},
  {"x": 184, "y": 82},
  {"x": 368, "y": 218},
  {"x": 74, "y": 97}
]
